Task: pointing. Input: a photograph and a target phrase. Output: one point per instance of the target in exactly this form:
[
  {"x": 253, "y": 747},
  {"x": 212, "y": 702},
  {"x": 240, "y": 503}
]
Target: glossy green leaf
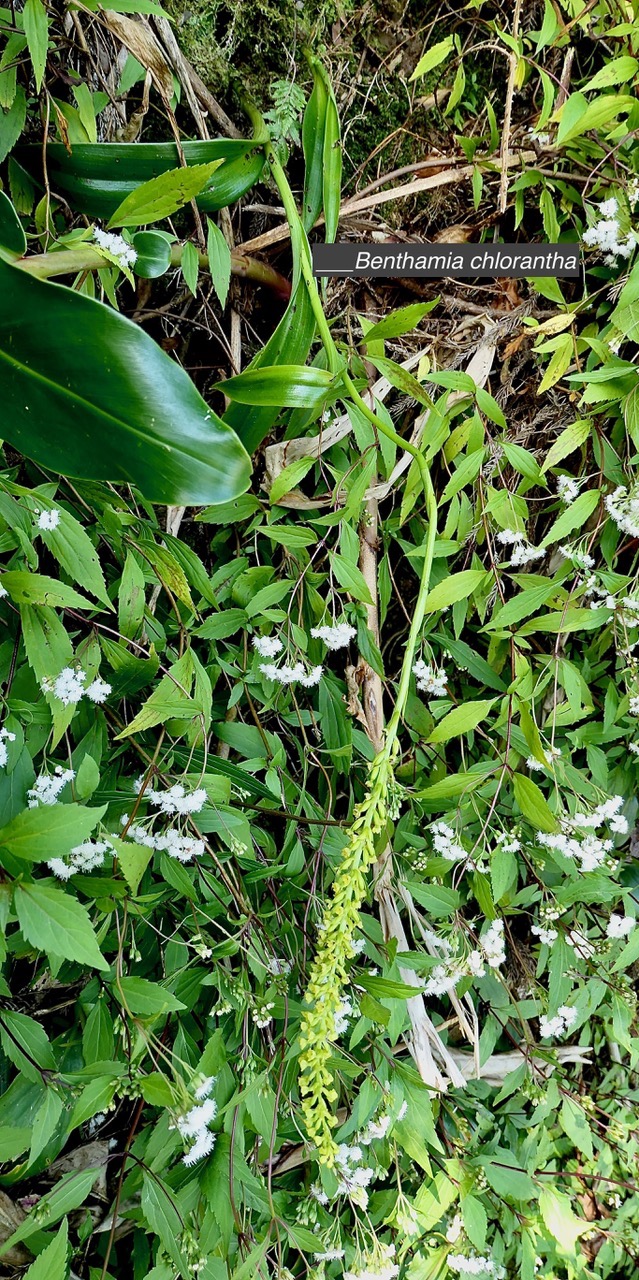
[
  {"x": 154, "y": 254},
  {"x": 313, "y": 133},
  {"x": 147, "y": 999},
  {"x": 332, "y": 184},
  {"x": 96, "y": 177},
  {"x": 13, "y": 242},
  {"x": 100, "y": 400},
  {"x": 297, "y": 386},
  {"x": 459, "y": 586},
  {"x": 288, "y": 345}
]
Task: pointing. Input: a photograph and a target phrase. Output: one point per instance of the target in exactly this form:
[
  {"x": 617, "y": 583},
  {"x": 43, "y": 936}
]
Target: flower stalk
[{"x": 329, "y": 971}]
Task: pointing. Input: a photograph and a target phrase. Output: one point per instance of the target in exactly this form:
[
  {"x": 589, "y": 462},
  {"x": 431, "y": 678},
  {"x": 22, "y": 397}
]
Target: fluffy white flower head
[
  {"x": 336, "y": 637},
  {"x": 49, "y": 519}
]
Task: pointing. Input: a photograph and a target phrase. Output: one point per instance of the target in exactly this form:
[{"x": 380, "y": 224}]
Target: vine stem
[{"x": 335, "y": 365}]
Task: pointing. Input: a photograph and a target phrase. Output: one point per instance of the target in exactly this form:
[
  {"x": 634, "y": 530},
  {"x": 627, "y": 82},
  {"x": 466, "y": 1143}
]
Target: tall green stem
[{"x": 306, "y": 267}]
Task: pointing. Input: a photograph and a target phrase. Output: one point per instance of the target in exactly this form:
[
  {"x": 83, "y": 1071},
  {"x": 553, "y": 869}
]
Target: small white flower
[
  {"x": 115, "y": 245},
  {"x": 567, "y": 489},
  {"x": 329, "y": 1255},
  {"x": 336, "y": 637},
  {"x": 47, "y": 787},
  {"x": 203, "y": 1146},
  {"x": 563, "y": 1020},
  {"x": 176, "y": 800},
  {"x": 49, "y": 519},
  {"x": 68, "y": 686},
  {"x": 205, "y": 1088},
  {"x": 429, "y": 679},
  {"x": 98, "y": 690},
  {"x": 267, "y": 646},
  {"x": 620, "y": 926},
  {"x": 3, "y": 591}
]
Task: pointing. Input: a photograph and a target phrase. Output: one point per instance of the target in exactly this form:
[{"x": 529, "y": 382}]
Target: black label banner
[{"x": 436, "y": 261}]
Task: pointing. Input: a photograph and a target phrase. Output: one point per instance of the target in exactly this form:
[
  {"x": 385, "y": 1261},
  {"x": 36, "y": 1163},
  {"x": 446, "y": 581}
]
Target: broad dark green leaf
[
  {"x": 99, "y": 399},
  {"x": 96, "y": 177}
]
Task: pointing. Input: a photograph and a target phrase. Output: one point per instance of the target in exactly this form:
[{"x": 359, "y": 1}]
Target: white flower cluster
[
  {"x": 545, "y": 930},
  {"x": 605, "y": 234},
  {"x": 267, "y": 646},
  {"x": 620, "y": 926},
  {"x": 601, "y": 597},
  {"x": 47, "y": 787},
  {"x": 176, "y": 800},
  {"x": 522, "y": 552},
  {"x": 116, "y": 245},
  {"x": 580, "y": 944},
  {"x": 429, "y": 679},
  {"x": 353, "y": 1177},
  {"x": 493, "y": 945},
  {"x": 590, "y": 851},
  {"x": 580, "y": 559},
  {"x": 563, "y": 1020},
  {"x": 492, "y": 952},
  {"x": 70, "y": 687},
  {"x": 376, "y": 1266},
  {"x": 474, "y": 1265},
  {"x": 85, "y": 857},
  {"x": 336, "y": 637},
  {"x": 567, "y": 489},
  {"x": 195, "y": 1124},
  {"x": 329, "y": 1255},
  {"x": 178, "y": 846},
  {"x": 376, "y": 1130},
  {"x": 290, "y": 675},
  {"x": 48, "y": 519},
  {"x": 509, "y": 842},
  {"x": 623, "y": 507},
  {"x": 445, "y": 842},
  {"x": 608, "y": 812},
  {"x": 342, "y": 1014},
  {"x": 5, "y": 737}
]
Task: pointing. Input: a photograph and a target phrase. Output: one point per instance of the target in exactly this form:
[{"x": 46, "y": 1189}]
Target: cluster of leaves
[{"x": 166, "y": 850}]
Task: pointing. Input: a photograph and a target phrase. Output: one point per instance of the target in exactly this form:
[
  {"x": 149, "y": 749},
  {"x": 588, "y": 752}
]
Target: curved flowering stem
[{"x": 329, "y": 972}]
